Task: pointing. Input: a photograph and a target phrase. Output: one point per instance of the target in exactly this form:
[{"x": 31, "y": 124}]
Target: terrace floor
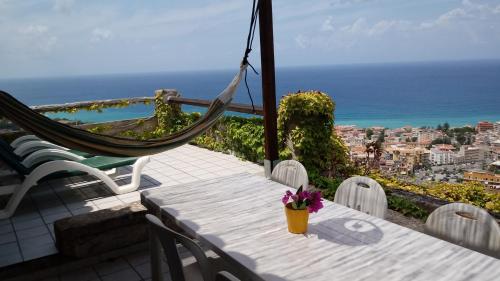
[{"x": 29, "y": 234}]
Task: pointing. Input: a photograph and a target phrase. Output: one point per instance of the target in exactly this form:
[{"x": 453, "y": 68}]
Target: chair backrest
[
  {"x": 11, "y": 159},
  {"x": 291, "y": 173},
  {"x": 164, "y": 237},
  {"x": 363, "y": 194},
  {"x": 466, "y": 225}
]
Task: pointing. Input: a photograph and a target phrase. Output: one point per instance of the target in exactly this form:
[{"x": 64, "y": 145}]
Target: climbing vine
[
  {"x": 98, "y": 107},
  {"x": 306, "y": 133}
]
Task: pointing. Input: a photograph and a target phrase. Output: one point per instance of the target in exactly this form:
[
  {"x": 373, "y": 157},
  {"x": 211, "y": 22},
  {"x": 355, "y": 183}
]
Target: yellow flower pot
[{"x": 297, "y": 219}]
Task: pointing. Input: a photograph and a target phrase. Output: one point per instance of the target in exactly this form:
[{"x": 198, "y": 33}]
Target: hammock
[{"x": 99, "y": 144}]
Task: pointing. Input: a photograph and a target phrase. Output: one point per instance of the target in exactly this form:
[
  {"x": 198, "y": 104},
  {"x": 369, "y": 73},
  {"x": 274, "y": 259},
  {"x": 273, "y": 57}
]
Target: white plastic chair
[
  {"x": 363, "y": 194},
  {"x": 467, "y": 226},
  {"x": 291, "y": 173},
  {"x": 198, "y": 268}
]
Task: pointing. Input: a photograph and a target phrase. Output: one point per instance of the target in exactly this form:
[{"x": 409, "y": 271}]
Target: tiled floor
[
  {"x": 133, "y": 267},
  {"x": 29, "y": 233}
]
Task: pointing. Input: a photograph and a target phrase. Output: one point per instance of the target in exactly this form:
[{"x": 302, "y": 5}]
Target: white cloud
[
  {"x": 359, "y": 26},
  {"x": 382, "y": 27},
  {"x": 445, "y": 18},
  {"x": 100, "y": 34},
  {"x": 497, "y": 10},
  {"x": 327, "y": 24},
  {"x": 301, "y": 41},
  {"x": 34, "y": 29},
  {"x": 39, "y": 37},
  {"x": 63, "y": 6}
]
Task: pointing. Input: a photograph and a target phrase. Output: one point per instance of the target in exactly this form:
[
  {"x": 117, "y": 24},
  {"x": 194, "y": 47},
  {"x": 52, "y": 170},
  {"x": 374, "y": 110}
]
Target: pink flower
[
  {"x": 304, "y": 199},
  {"x": 315, "y": 203},
  {"x": 286, "y": 197}
]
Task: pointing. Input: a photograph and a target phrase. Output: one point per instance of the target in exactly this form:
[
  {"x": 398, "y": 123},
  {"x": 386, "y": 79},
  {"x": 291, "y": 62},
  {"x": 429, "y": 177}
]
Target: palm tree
[{"x": 376, "y": 149}]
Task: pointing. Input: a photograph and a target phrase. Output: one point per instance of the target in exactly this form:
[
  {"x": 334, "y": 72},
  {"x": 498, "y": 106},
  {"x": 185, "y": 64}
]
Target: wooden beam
[
  {"x": 268, "y": 84},
  {"x": 86, "y": 104},
  {"x": 236, "y": 107}
]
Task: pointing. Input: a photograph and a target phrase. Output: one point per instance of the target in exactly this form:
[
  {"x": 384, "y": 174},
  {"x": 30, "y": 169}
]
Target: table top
[{"x": 242, "y": 218}]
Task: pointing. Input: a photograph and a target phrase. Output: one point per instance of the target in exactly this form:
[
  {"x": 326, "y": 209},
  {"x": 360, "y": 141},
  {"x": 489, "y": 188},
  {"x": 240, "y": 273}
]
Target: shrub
[
  {"x": 242, "y": 136},
  {"x": 406, "y": 207},
  {"x": 306, "y": 133},
  {"x": 466, "y": 192}
]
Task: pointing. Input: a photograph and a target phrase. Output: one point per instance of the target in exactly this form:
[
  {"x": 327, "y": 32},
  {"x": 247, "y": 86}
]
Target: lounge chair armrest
[
  {"x": 44, "y": 155},
  {"x": 31, "y": 146}
]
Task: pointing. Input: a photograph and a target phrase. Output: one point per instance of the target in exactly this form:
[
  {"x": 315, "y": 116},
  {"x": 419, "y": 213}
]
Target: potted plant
[{"x": 297, "y": 210}]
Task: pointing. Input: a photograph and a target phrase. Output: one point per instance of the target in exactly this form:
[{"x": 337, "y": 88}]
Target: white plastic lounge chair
[
  {"x": 20, "y": 140},
  {"x": 467, "y": 226},
  {"x": 26, "y": 148},
  {"x": 363, "y": 194},
  {"x": 25, "y": 145},
  {"x": 291, "y": 173},
  {"x": 95, "y": 166}
]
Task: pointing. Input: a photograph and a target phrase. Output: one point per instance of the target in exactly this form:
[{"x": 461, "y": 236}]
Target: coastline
[{"x": 141, "y": 111}]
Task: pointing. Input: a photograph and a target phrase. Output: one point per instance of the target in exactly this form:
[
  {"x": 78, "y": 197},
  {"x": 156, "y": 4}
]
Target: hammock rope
[{"x": 100, "y": 144}]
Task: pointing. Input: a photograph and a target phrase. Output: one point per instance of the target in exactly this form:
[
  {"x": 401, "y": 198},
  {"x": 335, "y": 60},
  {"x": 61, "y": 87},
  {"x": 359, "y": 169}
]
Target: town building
[
  {"x": 484, "y": 126},
  {"x": 440, "y": 155},
  {"x": 488, "y": 178}
]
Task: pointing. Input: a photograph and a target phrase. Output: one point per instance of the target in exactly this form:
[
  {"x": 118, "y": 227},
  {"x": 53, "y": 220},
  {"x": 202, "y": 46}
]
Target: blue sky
[{"x": 72, "y": 37}]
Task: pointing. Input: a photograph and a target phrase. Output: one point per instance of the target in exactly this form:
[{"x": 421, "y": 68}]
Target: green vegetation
[
  {"x": 306, "y": 133},
  {"x": 305, "y": 128},
  {"x": 97, "y": 107},
  {"x": 99, "y": 129},
  {"x": 463, "y": 135},
  {"x": 466, "y": 192},
  {"x": 406, "y": 207},
  {"x": 443, "y": 140},
  {"x": 369, "y": 133}
]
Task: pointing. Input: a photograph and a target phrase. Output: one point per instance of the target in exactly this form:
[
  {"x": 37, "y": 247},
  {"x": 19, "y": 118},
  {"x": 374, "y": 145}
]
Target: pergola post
[{"x": 268, "y": 85}]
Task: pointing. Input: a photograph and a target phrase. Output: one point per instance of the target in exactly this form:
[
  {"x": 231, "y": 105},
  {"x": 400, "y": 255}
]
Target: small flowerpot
[{"x": 297, "y": 219}]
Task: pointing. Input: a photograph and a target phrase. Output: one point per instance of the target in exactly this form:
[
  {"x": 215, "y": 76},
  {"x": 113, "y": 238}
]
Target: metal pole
[{"x": 268, "y": 85}]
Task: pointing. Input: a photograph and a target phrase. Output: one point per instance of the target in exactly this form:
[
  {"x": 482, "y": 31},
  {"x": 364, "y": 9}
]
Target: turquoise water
[{"x": 390, "y": 95}]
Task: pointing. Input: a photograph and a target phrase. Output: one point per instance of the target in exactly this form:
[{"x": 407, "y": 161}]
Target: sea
[{"x": 390, "y": 95}]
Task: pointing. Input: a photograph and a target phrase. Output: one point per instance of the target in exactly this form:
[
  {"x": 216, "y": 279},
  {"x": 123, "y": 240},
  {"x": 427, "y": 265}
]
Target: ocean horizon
[{"x": 390, "y": 95}]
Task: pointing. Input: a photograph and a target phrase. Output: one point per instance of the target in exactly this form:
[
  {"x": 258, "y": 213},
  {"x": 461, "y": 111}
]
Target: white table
[{"x": 242, "y": 218}]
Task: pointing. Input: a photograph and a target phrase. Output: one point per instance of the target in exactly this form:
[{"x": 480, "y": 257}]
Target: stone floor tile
[
  {"x": 9, "y": 254},
  {"x": 28, "y": 224},
  {"x": 52, "y": 218},
  {"x": 123, "y": 275},
  {"x": 110, "y": 204},
  {"x": 6, "y": 228},
  {"x": 84, "y": 210},
  {"x": 12, "y": 258},
  {"x": 138, "y": 258},
  {"x": 7, "y": 238},
  {"x": 84, "y": 274},
  {"x": 25, "y": 217},
  {"x": 32, "y": 232},
  {"x": 112, "y": 266},
  {"x": 39, "y": 251},
  {"x": 36, "y": 242}
]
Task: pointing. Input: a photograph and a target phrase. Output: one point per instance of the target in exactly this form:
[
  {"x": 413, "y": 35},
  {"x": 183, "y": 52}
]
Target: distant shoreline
[{"x": 123, "y": 114}]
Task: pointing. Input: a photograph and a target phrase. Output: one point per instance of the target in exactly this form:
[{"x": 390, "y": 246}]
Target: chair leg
[{"x": 155, "y": 253}]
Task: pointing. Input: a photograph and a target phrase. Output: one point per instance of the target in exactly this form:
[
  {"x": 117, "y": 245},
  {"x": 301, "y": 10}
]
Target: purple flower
[
  {"x": 304, "y": 195},
  {"x": 315, "y": 202},
  {"x": 286, "y": 197}
]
